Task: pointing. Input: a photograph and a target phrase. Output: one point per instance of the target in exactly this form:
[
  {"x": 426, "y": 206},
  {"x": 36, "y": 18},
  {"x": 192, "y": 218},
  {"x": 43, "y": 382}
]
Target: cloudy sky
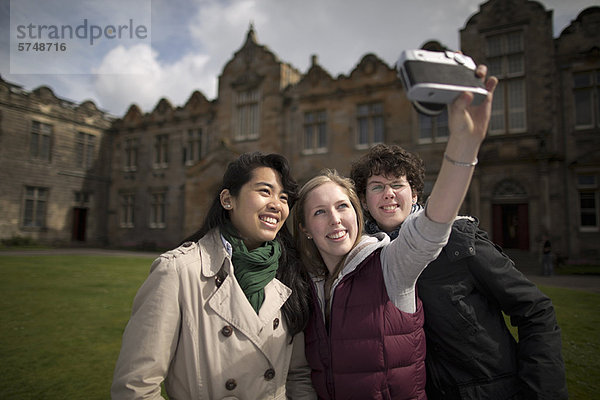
[{"x": 189, "y": 41}]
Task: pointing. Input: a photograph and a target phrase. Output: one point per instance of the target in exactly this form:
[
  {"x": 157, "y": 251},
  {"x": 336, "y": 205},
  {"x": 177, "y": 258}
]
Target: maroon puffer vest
[{"x": 374, "y": 350}]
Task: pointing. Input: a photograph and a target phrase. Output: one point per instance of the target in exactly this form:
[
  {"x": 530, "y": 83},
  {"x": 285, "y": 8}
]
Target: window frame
[
  {"x": 588, "y": 189},
  {"x": 434, "y": 126},
  {"x": 315, "y": 121},
  {"x": 40, "y": 133},
  {"x": 192, "y": 151},
  {"x": 373, "y": 118},
  {"x": 127, "y": 210},
  {"x": 592, "y": 87},
  {"x": 247, "y": 115},
  {"x": 38, "y": 218},
  {"x": 506, "y": 107},
  {"x": 158, "y": 210},
  {"x": 131, "y": 149},
  {"x": 85, "y": 150},
  {"x": 161, "y": 151}
]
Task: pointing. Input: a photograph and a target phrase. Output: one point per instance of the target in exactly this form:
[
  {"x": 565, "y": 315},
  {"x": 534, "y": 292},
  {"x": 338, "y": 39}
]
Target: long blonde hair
[{"x": 309, "y": 253}]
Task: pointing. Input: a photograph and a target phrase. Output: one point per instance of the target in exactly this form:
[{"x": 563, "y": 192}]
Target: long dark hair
[{"x": 290, "y": 271}]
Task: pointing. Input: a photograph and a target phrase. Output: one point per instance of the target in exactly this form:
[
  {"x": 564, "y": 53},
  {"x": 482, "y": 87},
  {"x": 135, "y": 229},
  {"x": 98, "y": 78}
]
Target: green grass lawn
[
  {"x": 578, "y": 314},
  {"x": 61, "y": 321},
  {"x": 62, "y": 317}
]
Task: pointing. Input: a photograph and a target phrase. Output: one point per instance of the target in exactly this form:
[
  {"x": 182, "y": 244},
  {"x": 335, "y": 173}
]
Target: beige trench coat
[{"x": 195, "y": 329}]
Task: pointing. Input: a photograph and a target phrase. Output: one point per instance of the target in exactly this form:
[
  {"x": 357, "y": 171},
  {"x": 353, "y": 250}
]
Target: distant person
[
  {"x": 222, "y": 315},
  {"x": 547, "y": 266},
  {"x": 471, "y": 354},
  {"x": 365, "y": 337}
]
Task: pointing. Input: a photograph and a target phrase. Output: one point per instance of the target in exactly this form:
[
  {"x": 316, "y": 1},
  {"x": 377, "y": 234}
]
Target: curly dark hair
[{"x": 388, "y": 160}]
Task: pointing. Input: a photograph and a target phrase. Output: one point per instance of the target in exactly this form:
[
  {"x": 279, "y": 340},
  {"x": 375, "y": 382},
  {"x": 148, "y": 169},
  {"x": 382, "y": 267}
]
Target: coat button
[
  {"x": 275, "y": 323},
  {"x": 456, "y": 253},
  {"x": 269, "y": 374},
  {"x": 471, "y": 249},
  {"x": 227, "y": 331},
  {"x": 218, "y": 281},
  {"x": 230, "y": 384}
]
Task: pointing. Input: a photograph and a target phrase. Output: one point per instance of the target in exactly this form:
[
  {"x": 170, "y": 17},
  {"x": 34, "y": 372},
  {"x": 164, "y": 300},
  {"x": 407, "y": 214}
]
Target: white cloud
[
  {"x": 193, "y": 40},
  {"x": 218, "y": 30},
  {"x": 147, "y": 80},
  {"x": 219, "y": 24}
]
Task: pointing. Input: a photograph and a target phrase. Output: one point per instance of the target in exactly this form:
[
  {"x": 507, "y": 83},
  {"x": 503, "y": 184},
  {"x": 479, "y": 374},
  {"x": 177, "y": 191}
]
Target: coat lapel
[{"x": 230, "y": 303}]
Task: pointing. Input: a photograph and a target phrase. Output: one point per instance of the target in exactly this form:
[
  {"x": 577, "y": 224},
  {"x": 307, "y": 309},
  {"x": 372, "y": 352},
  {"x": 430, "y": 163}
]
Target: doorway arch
[{"x": 510, "y": 215}]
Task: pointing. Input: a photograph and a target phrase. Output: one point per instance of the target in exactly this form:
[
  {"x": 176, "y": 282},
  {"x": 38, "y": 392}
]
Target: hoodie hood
[{"x": 367, "y": 245}]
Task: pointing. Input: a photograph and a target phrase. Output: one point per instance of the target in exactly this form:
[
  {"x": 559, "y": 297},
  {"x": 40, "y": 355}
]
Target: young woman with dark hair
[{"x": 222, "y": 315}]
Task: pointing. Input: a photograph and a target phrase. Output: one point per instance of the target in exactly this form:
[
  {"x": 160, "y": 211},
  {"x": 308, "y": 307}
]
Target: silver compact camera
[{"x": 433, "y": 79}]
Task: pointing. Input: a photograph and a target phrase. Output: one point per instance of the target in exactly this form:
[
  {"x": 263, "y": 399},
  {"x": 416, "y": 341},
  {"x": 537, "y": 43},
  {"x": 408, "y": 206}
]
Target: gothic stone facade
[
  {"x": 54, "y": 175},
  {"x": 538, "y": 171},
  {"x": 538, "y": 174}
]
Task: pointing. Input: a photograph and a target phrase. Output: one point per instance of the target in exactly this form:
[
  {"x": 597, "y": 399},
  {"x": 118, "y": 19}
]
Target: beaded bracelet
[{"x": 460, "y": 163}]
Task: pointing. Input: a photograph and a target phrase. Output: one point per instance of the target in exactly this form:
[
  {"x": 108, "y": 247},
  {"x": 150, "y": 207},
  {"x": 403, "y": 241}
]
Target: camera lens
[{"x": 429, "y": 109}]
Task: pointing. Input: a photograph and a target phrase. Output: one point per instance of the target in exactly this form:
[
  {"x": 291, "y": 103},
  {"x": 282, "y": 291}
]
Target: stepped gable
[
  {"x": 132, "y": 117},
  {"x": 43, "y": 99},
  {"x": 315, "y": 76},
  {"x": 88, "y": 106},
  {"x": 197, "y": 103},
  {"x": 163, "y": 111},
  {"x": 134, "y": 114},
  {"x": 587, "y": 23},
  {"x": 434, "y": 45},
  {"x": 581, "y": 36},
  {"x": 498, "y": 13},
  {"x": 45, "y": 95},
  {"x": 249, "y": 51},
  {"x": 163, "y": 106},
  {"x": 369, "y": 73},
  {"x": 369, "y": 66}
]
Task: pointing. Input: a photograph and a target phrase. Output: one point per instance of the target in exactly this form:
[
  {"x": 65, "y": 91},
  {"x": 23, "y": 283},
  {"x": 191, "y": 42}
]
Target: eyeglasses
[{"x": 380, "y": 187}]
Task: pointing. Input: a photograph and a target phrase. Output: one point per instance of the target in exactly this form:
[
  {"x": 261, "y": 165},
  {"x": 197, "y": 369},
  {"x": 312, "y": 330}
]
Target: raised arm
[{"x": 468, "y": 126}]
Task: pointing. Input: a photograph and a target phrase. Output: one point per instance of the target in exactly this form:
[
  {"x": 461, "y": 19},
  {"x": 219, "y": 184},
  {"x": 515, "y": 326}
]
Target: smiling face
[
  {"x": 260, "y": 209},
  {"x": 389, "y": 200},
  {"x": 331, "y": 221}
]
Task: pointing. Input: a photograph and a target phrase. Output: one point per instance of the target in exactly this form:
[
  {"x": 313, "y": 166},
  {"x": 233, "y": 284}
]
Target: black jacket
[{"x": 471, "y": 354}]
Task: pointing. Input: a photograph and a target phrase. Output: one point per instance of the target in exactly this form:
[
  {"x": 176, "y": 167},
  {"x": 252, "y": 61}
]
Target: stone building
[
  {"x": 577, "y": 53},
  {"x": 538, "y": 168},
  {"x": 519, "y": 164},
  {"x": 151, "y": 154},
  {"x": 54, "y": 167},
  {"x": 538, "y": 173}
]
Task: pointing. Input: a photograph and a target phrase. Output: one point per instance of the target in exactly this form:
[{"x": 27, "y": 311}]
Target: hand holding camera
[{"x": 433, "y": 79}]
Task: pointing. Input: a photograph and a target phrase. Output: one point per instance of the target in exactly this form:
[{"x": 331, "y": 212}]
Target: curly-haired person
[{"x": 470, "y": 353}]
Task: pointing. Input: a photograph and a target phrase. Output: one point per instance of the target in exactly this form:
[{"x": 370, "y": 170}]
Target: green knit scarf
[{"x": 253, "y": 269}]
